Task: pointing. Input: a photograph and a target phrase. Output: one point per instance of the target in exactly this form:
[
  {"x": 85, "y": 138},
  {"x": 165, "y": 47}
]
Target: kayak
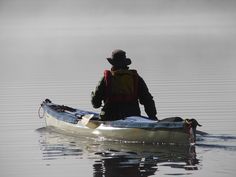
[{"x": 137, "y": 129}]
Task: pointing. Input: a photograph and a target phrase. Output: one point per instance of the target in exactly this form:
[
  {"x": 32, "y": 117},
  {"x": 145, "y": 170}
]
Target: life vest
[{"x": 121, "y": 85}]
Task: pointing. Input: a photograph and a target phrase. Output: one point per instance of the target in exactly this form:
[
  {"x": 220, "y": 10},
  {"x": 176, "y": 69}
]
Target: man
[{"x": 121, "y": 90}]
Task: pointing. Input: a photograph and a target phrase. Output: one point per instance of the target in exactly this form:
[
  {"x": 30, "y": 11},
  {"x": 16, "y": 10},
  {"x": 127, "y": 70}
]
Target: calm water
[{"x": 185, "y": 51}]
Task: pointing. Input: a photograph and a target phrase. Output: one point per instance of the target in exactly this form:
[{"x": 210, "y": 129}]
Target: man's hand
[{"x": 154, "y": 118}]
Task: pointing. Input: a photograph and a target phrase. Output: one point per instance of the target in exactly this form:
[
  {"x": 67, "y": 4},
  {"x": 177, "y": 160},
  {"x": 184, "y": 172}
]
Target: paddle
[{"x": 86, "y": 121}]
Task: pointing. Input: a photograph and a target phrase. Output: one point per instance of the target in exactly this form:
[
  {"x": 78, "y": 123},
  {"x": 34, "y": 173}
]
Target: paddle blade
[{"x": 89, "y": 123}]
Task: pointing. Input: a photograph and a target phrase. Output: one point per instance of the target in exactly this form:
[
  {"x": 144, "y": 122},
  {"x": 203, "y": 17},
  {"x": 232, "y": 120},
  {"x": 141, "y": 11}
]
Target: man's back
[{"x": 121, "y": 90}]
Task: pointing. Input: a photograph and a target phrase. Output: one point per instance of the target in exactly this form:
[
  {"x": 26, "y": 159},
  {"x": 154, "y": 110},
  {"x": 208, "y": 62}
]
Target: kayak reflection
[
  {"x": 144, "y": 160},
  {"x": 116, "y": 158},
  {"x": 115, "y": 163}
]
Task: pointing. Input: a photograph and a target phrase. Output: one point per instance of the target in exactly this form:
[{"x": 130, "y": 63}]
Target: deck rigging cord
[{"x": 41, "y": 112}]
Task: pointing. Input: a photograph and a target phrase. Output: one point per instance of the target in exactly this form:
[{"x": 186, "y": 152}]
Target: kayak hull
[{"x": 132, "y": 129}]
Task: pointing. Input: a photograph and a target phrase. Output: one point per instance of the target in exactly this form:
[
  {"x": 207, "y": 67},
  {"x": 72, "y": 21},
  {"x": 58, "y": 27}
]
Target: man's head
[{"x": 118, "y": 59}]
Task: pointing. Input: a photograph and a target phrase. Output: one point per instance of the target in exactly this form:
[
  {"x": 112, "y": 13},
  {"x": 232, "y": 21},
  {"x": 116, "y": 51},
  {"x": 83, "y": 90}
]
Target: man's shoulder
[{"x": 134, "y": 71}]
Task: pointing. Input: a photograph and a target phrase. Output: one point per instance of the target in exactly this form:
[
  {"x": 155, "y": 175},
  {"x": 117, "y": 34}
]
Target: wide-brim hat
[{"x": 118, "y": 58}]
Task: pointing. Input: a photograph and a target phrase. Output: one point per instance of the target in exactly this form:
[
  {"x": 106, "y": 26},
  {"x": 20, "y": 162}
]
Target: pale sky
[
  {"x": 149, "y": 16},
  {"x": 36, "y": 30}
]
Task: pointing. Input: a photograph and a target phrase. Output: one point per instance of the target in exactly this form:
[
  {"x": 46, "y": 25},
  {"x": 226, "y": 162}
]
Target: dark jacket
[{"x": 122, "y": 109}]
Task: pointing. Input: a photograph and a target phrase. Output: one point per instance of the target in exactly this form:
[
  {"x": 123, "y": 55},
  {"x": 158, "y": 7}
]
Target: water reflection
[
  {"x": 117, "y": 159},
  {"x": 116, "y": 163}
]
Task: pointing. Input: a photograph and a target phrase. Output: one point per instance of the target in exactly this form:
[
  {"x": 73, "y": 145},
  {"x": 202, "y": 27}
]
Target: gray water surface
[{"x": 184, "y": 50}]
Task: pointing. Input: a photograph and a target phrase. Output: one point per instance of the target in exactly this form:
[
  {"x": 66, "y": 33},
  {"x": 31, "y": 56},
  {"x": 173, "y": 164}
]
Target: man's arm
[
  {"x": 98, "y": 95},
  {"x": 146, "y": 99}
]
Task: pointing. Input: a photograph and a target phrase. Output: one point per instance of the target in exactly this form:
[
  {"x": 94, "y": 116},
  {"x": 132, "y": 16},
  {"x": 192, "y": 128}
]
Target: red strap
[{"x": 107, "y": 76}]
